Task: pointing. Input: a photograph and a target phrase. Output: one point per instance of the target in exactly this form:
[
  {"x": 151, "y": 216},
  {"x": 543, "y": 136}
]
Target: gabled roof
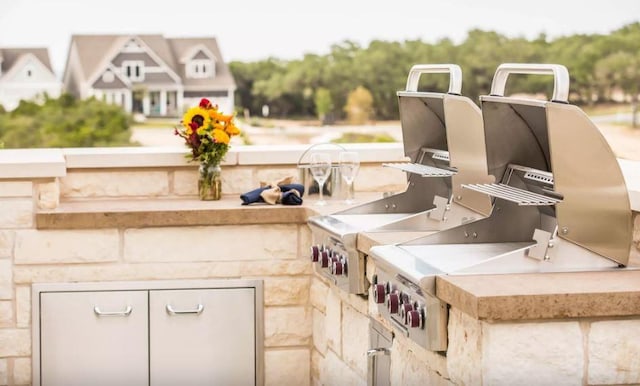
[
  {"x": 96, "y": 51},
  {"x": 11, "y": 56},
  {"x": 184, "y": 46},
  {"x": 91, "y": 50}
]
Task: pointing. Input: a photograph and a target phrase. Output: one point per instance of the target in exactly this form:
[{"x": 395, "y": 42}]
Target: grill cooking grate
[
  {"x": 423, "y": 170},
  {"x": 509, "y": 193}
]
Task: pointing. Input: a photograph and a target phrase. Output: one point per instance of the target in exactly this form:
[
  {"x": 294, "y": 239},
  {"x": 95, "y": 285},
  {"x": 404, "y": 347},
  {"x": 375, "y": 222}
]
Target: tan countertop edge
[
  {"x": 184, "y": 211},
  {"x": 543, "y": 295},
  {"x": 138, "y": 213},
  {"x": 531, "y": 296}
]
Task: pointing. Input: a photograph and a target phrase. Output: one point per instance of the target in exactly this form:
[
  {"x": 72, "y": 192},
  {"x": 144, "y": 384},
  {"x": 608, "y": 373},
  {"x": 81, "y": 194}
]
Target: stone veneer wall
[
  {"x": 314, "y": 333},
  {"x": 33, "y": 180},
  {"x": 585, "y": 351},
  {"x": 341, "y": 339}
]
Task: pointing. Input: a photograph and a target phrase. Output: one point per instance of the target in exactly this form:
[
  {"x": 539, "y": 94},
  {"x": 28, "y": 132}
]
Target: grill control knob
[
  {"x": 404, "y": 310},
  {"x": 378, "y": 293},
  {"x": 336, "y": 268},
  {"x": 414, "y": 318},
  {"x": 324, "y": 259},
  {"x": 393, "y": 302},
  {"x": 315, "y": 252}
]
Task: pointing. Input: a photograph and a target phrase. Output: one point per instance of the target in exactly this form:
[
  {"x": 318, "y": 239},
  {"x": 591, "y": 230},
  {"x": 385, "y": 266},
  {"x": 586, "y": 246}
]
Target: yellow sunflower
[
  {"x": 197, "y": 114},
  {"x": 203, "y": 130}
]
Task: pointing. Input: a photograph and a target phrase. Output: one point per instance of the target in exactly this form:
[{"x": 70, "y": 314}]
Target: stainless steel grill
[
  {"x": 444, "y": 144},
  {"x": 561, "y": 205},
  {"x": 422, "y": 170}
]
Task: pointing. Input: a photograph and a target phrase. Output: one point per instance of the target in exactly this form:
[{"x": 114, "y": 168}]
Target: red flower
[
  {"x": 194, "y": 140},
  {"x": 204, "y": 103},
  {"x": 194, "y": 125}
]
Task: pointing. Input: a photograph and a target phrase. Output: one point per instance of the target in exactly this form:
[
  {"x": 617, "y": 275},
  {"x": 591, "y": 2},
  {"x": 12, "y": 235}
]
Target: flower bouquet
[{"x": 207, "y": 132}]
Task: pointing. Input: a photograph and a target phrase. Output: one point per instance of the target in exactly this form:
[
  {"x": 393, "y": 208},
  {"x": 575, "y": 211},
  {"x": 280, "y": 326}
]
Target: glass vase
[{"x": 209, "y": 182}]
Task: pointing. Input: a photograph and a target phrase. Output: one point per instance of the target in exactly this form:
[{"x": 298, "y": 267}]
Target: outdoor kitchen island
[
  {"x": 87, "y": 222},
  {"x": 502, "y": 328}
]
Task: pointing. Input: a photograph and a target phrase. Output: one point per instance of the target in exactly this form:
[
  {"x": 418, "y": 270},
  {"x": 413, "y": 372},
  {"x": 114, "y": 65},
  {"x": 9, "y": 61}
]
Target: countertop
[
  {"x": 139, "y": 213},
  {"x": 529, "y": 296},
  {"x": 544, "y": 295},
  {"x": 187, "y": 211}
]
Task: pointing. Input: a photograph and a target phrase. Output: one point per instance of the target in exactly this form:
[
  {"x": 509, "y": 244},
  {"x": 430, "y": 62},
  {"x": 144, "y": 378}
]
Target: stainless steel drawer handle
[
  {"x": 126, "y": 312},
  {"x": 198, "y": 310},
  {"x": 378, "y": 351}
]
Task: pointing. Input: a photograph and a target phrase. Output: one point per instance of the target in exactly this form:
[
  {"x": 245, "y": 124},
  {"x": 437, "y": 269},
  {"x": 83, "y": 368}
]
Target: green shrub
[
  {"x": 65, "y": 122},
  {"x": 363, "y": 138}
]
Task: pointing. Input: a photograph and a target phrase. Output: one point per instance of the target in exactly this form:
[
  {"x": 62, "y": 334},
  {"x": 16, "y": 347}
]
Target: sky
[{"x": 251, "y": 30}]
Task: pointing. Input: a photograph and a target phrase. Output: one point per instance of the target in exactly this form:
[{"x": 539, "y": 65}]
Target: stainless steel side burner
[
  {"x": 561, "y": 205},
  {"x": 444, "y": 143}
]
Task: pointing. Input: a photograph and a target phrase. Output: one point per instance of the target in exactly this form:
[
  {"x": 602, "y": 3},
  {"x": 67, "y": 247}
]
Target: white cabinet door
[
  {"x": 202, "y": 337},
  {"x": 94, "y": 338}
]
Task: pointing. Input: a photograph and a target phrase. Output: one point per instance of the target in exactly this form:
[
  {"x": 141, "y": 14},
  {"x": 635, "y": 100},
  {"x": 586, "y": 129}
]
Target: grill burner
[
  {"x": 444, "y": 142},
  {"x": 561, "y": 205}
]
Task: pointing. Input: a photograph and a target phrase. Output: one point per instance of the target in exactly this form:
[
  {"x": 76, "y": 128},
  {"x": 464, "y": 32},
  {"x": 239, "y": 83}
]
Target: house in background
[
  {"x": 149, "y": 74},
  {"x": 26, "y": 74}
]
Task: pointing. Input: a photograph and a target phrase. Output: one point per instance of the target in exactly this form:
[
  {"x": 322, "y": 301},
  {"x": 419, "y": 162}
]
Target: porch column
[
  {"x": 128, "y": 101},
  {"x": 146, "y": 104},
  {"x": 180, "y": 101},
  {"x": 163, "y": 103}
]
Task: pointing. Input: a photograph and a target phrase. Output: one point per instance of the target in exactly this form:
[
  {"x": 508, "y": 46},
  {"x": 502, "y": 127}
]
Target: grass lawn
[{"x": 606, "y": 109}]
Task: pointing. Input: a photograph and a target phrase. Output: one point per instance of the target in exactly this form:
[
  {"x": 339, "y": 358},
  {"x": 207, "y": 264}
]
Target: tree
[
  {"x": 382, "y": 68},
  {"x": 246, "y": 76},
  {"x": 359, "y": 106},
  {"x": 324, "y": 104},
  {"x": 621, "y": 71}
]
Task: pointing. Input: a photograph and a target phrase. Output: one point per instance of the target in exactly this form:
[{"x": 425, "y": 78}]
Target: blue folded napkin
[
  {"x": 288, "y": 187},
  {"x": 285, "y": 194},
  {"x": 291, "y": 198},
  {"x": 253, "y": 196}
]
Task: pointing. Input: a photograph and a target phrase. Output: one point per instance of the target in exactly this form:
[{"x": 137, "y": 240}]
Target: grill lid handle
[
  {"x": 454, "y": 71},
  {"x": 559, "y": 72}
]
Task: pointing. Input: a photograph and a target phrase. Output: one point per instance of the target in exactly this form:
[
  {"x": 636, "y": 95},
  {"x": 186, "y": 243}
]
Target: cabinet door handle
[
  {"x": 197, "y": 311},
  {"x": 126, "y": 312},
  {"x": 378, "y": 351}
]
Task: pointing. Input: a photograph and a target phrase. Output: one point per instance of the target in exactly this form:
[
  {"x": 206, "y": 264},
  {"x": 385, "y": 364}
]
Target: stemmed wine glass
[
  {"x": 320, "y": 164},
  {"x": 349, "y": 164}
]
